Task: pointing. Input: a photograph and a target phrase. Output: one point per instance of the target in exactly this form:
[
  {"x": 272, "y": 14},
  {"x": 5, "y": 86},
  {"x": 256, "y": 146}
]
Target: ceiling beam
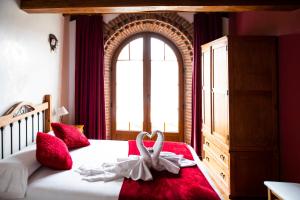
[{"x": 136, "y": 6}]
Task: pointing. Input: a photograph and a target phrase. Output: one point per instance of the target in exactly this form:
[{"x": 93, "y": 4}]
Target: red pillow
[
  {"x": 52, "y": 152},
  {"x": 70, "y": 135}
]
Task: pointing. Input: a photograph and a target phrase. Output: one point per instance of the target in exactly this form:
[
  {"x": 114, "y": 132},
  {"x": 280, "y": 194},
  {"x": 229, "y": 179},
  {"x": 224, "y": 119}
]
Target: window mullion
[{"x": 147, "y": 83}]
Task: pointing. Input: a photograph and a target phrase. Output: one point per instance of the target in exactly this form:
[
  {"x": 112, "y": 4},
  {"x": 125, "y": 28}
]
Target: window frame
[{"x": 131, "y": 135}]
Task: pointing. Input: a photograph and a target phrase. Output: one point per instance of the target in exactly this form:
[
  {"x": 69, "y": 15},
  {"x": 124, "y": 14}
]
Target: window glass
[
  {"x": 164, "y": 87},
  {"x": 164, "y": 90},
  {"x": 157, "y": 49},
  {"x": 124, "y": 54},
  {"x": 136, "y": 49},
  {"x": 129, "y": 90}
]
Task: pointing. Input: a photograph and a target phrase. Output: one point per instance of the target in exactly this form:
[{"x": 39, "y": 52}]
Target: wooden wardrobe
[{"x": 239, "y": 113}]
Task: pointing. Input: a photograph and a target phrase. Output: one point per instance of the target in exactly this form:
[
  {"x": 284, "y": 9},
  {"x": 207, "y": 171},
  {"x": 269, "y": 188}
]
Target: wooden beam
[{"x": 136, "y": 6}]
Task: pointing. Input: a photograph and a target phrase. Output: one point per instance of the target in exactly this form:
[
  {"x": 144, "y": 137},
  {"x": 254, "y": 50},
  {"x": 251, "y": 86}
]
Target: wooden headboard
[{"x": 19, "y": 115}]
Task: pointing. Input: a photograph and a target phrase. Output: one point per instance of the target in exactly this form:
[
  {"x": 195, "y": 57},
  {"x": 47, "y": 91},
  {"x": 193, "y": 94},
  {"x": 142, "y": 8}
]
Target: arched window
[{"x": 147, "y": 88}]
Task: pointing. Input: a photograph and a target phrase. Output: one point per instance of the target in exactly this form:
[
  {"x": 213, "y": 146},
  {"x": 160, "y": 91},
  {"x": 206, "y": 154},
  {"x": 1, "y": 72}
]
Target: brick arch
[
  {"x": 114, "y": 37},
  {"x": 172, "y": 19}
]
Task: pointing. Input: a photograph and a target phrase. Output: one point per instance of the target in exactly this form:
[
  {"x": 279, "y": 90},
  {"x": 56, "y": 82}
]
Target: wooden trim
[
  {"x": 118, "y": 10},
  {"x": 126, "y": 135},
  {"x": 10, "y": 116},
  {"x": 273, "y": 196},
  {"x": 269, "y": 195},
  {"x": 147, "y": 82},
  {"x": 133, "y": 6},
  {"x": 113, "y": 93},
  {"x": 15, "y": 108},
  {"x": 48, "y": 116},
  {"x": 8, "y": 119}
]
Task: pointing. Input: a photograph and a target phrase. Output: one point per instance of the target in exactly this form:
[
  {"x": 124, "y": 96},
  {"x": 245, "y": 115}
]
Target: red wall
[
  {"x": 286, "y": 26},
  {"x": 267, "y": 23},
  {"x": 289, "y": 102}
]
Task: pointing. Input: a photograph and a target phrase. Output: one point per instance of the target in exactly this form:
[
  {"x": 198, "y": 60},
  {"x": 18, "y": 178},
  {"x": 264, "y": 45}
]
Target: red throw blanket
[{"x": 189, "y": 184}]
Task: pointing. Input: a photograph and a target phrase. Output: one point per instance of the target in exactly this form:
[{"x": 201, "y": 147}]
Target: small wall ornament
[{"x": 53, "y": 41}]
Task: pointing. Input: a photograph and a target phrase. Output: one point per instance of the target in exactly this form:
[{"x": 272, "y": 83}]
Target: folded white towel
[
  {"x": 177, "y": 159},
  {"x": 133, "y": 167},
  {"x": 138, "y": 167}
]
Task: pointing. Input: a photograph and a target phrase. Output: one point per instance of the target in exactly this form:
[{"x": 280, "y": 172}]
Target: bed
[{"x": 48, "y": 184}]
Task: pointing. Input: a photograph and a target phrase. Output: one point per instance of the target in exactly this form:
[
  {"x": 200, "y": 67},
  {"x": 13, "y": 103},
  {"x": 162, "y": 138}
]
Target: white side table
[{"x": 283, "y": 190}]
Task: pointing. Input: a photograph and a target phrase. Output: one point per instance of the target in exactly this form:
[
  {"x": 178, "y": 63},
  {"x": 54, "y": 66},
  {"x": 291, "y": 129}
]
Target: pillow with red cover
[
  {"x": 52, "y": 152},
  {"x": 70, "y": 135}
]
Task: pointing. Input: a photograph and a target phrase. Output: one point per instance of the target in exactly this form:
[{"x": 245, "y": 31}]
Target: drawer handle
[
  {"x": 222, "y": 175},
  {"x": 222, "y": 157},
  {"x": 207, "y": 143},
  {"x": 207, "y": 158}
]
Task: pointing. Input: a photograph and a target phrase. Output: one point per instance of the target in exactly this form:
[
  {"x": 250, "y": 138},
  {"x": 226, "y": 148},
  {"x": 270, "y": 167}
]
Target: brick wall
[{"x": 169, "y": 25}]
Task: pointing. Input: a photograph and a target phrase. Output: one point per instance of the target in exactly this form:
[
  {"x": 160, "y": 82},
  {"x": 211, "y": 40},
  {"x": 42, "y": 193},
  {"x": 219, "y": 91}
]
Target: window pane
[
  {"x": 129, "y": 88},
  {"x": 169, "y": 53},
  {"x": 124, "y": 54},
  {"x": 157, "y": 49},
  {"x": 136, "y": 49},
  {"x": 165, "y": 95}
]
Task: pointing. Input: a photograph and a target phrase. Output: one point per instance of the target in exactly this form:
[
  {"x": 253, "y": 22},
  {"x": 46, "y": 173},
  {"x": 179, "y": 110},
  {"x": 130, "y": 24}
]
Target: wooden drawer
[
  {"x": 222, "y": 189},
  {"x": 221, "y": 155},
  {"x": 220, "y": 172},
  {"x": 213, "y": 138}
]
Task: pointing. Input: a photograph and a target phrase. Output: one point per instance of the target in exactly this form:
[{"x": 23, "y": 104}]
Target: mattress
[{"x": 47, "y": 184}]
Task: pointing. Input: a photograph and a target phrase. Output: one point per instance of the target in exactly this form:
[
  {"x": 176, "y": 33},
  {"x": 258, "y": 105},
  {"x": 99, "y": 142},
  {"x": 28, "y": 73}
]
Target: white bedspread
[{"x": 47, "y": 184}]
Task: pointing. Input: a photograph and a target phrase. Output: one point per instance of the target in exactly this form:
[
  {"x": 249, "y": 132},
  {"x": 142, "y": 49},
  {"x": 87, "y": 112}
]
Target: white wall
[
  {"x": 68, "y": 71},
  {"x": 108, "y": 17},
  {"x": 189, "y": 16},
  {"x": 71, "y": 75},
  {"x": 28, "y": 70}
]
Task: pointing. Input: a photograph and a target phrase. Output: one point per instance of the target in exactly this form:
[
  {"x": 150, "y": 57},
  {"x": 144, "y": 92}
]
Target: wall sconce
[{"x": 53, "y": 41}]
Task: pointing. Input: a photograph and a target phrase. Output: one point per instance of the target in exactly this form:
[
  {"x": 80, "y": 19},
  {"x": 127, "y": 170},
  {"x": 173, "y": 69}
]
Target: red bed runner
[{"x": 189, "y": 184}]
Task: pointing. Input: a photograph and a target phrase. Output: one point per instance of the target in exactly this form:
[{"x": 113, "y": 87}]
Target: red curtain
[
  {"x": 89, "y": 76},
  {"x": 207, "y": 27}
]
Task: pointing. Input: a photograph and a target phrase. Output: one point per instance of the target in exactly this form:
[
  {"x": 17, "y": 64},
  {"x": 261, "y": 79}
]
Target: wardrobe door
[
  {"x": 206, "y": 104},
  {"x": 220, "y": 110}
]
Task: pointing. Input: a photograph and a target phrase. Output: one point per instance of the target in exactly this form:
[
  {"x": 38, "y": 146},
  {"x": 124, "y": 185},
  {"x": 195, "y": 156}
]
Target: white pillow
[
  {"x": 51, "y": 133},
  {"x": 14, "y": 172}
]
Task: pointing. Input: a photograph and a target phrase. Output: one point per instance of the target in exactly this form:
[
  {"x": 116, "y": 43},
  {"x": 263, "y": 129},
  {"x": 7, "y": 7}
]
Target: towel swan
[
  {"x": 138, "y": 167},
  {"x": 158, "y": 161}
]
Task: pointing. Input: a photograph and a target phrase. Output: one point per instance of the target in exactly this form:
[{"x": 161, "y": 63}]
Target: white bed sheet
[{"x": 47, "y": 184}]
